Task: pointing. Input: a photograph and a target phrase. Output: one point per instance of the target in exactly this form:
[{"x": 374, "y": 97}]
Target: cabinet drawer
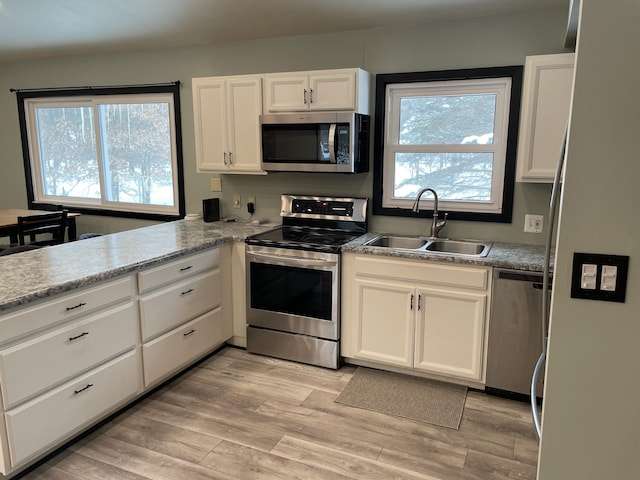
[
  {"x": 34, "y": 366},
  {"x": 423, "y": 272},
  {"x": 32, "y": 319},
  {"x": 40, "y": 423},
  {"x": 169, "y": 307},
  {"x": 175, "y": 349},
  {"x": 177, "y": 270}
]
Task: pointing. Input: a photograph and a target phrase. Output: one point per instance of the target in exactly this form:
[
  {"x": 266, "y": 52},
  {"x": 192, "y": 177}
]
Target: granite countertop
[
  {"x": 38, "y": 274},
  {"x": 502, "y": 255}
]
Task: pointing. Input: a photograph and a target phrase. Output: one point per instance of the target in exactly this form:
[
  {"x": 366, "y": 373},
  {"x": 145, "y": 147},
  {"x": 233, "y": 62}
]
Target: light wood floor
[{"x": 240, "y": 416}]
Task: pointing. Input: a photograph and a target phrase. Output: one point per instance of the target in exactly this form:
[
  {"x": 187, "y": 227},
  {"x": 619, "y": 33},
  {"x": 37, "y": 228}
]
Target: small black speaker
[{"x": 211, "y": 209}]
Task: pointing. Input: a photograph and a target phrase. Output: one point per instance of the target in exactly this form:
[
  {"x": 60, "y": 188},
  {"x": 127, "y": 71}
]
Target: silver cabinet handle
[
  {"x": 411, "y": 303},
  {"x": 190, "y": 332},
  {"x": 304, "y": 96},
  {"x": 419, "y": 302},
  {"x": 230, "y": 158},
  {"x": 311, "y": 96}
]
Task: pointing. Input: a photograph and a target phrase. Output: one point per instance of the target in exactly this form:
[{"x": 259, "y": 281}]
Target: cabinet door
[
  {"x": 244, "y": 107},
  {"x": 333, "y": 91},
  {"x": 449, "y": 336},
  {"x": 547, "y": 91},
  {"x": 385, "y": 322},
  {"x": 210, "y": 124},
  {"x": 286, "y": 92}
]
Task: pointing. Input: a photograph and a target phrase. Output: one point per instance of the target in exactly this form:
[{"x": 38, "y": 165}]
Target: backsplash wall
[{"x": 481, "y": 42}]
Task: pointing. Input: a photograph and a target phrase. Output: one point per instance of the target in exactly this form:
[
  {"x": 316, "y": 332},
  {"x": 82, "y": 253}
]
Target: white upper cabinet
[
  {"x": 343, "y": 89},
  {"x": 546, "y": 101},
  {"x": 227, "y": 123}
]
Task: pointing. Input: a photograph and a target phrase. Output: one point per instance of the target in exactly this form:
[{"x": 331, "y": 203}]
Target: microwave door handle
[{"x": 332, "y": 143}]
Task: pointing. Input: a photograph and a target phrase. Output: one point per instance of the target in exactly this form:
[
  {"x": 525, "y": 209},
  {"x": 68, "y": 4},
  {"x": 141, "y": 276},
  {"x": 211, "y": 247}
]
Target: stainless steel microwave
[{"x": 315, "y": 142}]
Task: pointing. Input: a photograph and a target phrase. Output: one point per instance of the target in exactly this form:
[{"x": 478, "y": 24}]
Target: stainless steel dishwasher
[{"x": 515, "y": 332}]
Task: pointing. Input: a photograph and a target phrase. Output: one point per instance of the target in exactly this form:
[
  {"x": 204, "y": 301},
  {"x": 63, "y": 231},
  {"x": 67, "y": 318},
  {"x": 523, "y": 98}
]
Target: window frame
[
  {"x": 93, "y": 96},
  {"x": 383, "y": 166}
]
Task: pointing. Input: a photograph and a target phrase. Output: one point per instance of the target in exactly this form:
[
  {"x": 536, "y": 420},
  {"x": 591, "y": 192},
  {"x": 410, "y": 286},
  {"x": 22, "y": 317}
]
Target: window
[
  {"x": 111, "y": 151},
  {"x": 452, "y": 131}
]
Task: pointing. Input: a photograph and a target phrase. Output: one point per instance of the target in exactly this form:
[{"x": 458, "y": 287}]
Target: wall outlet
[
  {"x": 236, "y": 201},
  {"x": 533, "y": 223},
  {"x": 216, "y": 185},
  {"x": 252, "y": 199}
]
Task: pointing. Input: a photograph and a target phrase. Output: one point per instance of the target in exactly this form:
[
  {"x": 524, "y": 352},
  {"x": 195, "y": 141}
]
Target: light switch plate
[{"x": 599, "y": 277}]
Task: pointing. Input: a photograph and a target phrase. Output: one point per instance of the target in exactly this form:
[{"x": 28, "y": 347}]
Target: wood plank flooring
[{"x": 241, "y": 416}]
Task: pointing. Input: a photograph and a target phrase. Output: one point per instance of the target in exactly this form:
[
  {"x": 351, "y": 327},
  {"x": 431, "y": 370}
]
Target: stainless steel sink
[
  {"x": 459, "y": 247},
  {"x": 440, "y": 246},
  {"x": 391, "y": 241}
]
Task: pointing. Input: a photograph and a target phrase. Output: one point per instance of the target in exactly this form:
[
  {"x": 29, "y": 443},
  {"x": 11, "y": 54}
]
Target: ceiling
[{"x": 45, "y": 28}]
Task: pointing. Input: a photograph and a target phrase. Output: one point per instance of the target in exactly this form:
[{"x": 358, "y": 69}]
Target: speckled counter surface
[
  {"x": 503, "y": 255},
  {"x": 38, "y": 274}
]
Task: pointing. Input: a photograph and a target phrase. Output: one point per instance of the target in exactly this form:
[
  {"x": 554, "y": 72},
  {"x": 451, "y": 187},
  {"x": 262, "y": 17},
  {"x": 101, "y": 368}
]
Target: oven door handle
[{"x": 298, "y": 261}]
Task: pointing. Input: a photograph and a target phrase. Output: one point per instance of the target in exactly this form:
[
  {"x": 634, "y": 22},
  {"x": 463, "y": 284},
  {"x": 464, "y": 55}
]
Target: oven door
[{"x": 294, "y": 291}]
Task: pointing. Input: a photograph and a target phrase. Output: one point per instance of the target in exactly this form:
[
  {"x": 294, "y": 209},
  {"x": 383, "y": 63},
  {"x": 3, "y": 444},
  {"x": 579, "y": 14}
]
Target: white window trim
[
  {"x": 394, "y": 92},
  {"x": 31, "y": 104}
]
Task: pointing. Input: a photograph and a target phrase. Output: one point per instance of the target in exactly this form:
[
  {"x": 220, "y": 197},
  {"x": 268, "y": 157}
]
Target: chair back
[
  {"x": 19, "y": 249},
  {"x": 52, "y": 224}
]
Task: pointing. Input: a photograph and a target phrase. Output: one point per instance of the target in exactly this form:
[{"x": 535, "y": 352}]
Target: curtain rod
[{"x": 52, "y": 89}]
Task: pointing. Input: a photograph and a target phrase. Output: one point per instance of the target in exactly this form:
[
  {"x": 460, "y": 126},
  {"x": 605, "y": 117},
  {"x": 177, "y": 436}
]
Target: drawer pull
[
  {"x": 78, "y": 336},
  {"x": 89, "y": 385},
  {"x": 186, "y": 292},
  {"x": 190, "y": 332},
  {"x": 81, "y": 304},
  {"x": 184, "y": 269}
]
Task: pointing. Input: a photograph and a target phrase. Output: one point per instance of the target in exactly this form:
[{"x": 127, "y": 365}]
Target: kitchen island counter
[{"x": 38, "y": 274}]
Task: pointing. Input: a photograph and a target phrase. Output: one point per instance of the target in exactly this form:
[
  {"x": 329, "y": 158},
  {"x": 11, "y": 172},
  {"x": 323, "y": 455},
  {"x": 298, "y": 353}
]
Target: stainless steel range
[{"x": 293, "y": 279}]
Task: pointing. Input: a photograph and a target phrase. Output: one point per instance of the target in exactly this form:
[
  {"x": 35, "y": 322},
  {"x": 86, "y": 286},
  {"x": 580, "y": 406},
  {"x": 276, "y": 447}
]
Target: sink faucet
[{"x": 436, "y": 225}]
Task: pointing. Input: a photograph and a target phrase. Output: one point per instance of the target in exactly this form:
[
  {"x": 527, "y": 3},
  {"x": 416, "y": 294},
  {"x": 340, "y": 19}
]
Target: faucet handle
[{"x": 441, "y": 223}]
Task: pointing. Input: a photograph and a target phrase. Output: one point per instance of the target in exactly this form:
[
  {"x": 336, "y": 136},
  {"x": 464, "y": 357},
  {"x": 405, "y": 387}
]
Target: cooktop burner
[
  {"x": 316, "y": 223},
  {"x": 305, "y": 238}
]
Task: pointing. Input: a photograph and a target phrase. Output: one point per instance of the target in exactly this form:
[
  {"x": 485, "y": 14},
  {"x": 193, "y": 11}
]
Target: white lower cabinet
[
  {"x": 450, "y": 333},
  {"x": 68, "y": 362},
  {"x": 418, "y": 315},
  {"x": 34, "y": 426},
  {"x": 384, "y": 320},
  {"x": 175, "y": 349},
  {"x": 185, "y": 312},
  {"x": 78, "y": 361},
  {"x": 33, "y": 366}
]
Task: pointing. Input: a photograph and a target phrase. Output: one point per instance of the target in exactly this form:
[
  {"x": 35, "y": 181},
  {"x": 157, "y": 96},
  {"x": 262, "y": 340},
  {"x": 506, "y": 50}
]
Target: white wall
[
  {"x": 591, "y": 419},
  {"x": 481, "y": 42}
]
